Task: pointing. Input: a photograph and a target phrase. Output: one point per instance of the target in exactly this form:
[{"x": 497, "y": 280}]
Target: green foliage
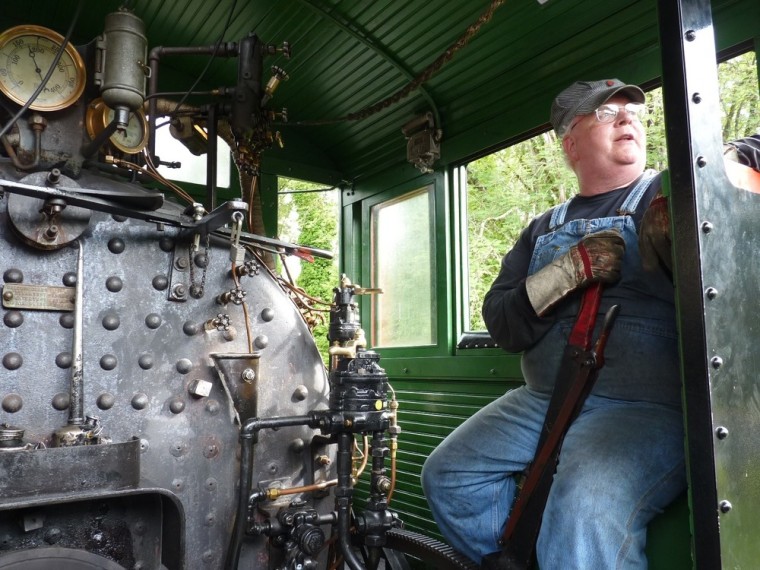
[
  {"x": 506, "y": 189},
  {"x": 311, "y": 218}
]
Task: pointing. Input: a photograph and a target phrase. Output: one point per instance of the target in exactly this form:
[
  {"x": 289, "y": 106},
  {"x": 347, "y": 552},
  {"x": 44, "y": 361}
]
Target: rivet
[
  {"x": 153, "y": 321},
  {"x": 405, "y": 370},
  {"x": 13, "y": 276},
  {"x": 725, "y": 506},
  {"x": 261, "y": 341},
  {"x": 139, "y": 401},
  {"x": 690, "y": 35},
  {"x": 116, "y": 245},
  {"x": 178, "y": 448},
  {"x": 267, "y": 314},
  {"x": 178, "y": 484},
  {"x": 12, "y": 403},
  {"x": 211, "y": 484},
  {"x": 108, "y": 362},
  {"x": 707, "y": 227},
  {"x": 145, "y": 361},
  {"x": 60, "y": 401},
  {"x": 184, "y": 365},
  {"x": 721, "y": 432},
  {"x": 212, "y": 407},
  {"x": 190, "y": 328},
  {"x": 166, "y": 244},
  {"x": 144, "y": 445},
  {"x": 13, "y": 319},
  {"x": 118, "y": 218},
  {"x": 297, "y": 445},
  {"x": 711, "y": 293},
  {"x": 8, "y": 295},
  {"x": 160, "y": 282},
  {"x": 111, "y": 322},
  {"x": 105, "y": 401},
  {"x": 716, "y": 362},
  {"x": 63, "y": 360},
  {"x": 210, "y": 519},
  {"x": 69, "y": 279},
  {"x": 12, "y": 361},
  {"x": 697, "y": 98},
  {"x": 66, "y": 321},
  {"x": 300, "y": 393},
  {"x": 201, "y": 260},
  {"x": 176, "y": 405},
  {"x": 701, "y": 161},
  {"x": 114, "y": 284}
]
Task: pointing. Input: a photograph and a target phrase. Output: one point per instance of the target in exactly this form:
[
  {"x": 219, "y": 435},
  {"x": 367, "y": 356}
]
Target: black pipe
[
  {"x": 248, "y": 436},
  {"x": 155, "y": 55},
  {"x": 343, "y": 493}
]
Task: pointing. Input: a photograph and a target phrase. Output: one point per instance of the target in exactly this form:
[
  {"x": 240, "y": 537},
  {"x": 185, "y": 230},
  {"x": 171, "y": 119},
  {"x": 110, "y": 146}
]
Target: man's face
[{"x": 619, "y": 143}]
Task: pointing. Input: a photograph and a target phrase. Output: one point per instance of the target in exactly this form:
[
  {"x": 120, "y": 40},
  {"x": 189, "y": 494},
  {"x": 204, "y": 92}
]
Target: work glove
[
  {"x": 597, "y": 257},
  {"x": 654, "y": 236}
]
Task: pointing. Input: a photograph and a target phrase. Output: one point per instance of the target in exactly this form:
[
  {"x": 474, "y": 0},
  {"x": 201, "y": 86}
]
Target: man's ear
[{"x": 568, "y": 145}]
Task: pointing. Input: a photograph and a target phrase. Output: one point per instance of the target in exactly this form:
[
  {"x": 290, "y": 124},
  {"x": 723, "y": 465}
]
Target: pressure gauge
[
  {"x": 131, "y": 140},
  {"x": 26, "y": 54}
]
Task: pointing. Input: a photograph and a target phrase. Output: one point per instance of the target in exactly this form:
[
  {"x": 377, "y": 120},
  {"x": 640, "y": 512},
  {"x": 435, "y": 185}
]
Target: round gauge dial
[
  {"x": 131, "y": 140},
  {"x": 26, "y": 54}
]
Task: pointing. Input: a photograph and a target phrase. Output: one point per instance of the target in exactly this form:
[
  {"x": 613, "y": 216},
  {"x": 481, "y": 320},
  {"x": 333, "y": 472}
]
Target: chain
[
  {"x": 195, "y": 289},
  {"x": 424, "y": 76}
]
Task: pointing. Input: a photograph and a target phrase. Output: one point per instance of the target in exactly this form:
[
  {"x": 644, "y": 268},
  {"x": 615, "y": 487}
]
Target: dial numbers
[{"x": 26, "y": 54}]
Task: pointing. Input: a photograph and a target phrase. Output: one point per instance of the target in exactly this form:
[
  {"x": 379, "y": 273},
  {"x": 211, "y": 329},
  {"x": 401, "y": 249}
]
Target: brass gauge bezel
[
  {"x": 99, "y": 116},
  {"x": 70, "y": 57}
]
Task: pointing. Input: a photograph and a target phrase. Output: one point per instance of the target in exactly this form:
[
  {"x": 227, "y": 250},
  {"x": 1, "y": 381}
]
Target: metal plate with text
[{"x": 38, "y": 297}]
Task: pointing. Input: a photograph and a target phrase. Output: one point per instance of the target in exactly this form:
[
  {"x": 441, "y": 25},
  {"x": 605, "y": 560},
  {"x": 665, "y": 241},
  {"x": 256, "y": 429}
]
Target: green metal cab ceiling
[{"x": 349, "y": 55}]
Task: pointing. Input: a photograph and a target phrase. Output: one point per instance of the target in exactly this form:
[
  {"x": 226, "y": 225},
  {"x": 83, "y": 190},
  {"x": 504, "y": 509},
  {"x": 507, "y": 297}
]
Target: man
[{"x": 622, "y": 460}]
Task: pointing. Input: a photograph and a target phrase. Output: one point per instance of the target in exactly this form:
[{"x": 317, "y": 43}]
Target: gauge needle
[{"x": 36, "y": 67}]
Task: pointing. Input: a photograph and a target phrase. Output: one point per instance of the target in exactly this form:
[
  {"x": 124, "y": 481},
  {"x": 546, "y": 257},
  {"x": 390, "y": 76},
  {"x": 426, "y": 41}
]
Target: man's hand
[
  {"x": 597, "y": 257},
  {"x": 654, "y": 236}
]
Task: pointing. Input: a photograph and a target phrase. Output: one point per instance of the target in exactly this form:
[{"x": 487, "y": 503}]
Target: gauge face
[
  {"x": 131, "y": 140},
  {"x": 26, "y": 54}
]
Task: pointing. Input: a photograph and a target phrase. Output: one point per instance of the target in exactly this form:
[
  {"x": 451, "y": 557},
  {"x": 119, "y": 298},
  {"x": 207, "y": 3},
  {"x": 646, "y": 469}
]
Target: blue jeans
[{"x": 621, "y": 464}]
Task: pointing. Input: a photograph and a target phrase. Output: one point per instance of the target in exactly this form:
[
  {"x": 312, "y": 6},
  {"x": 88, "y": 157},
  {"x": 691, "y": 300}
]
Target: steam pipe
[
  {"x": 248, "y": 436},
  {"x": 155, "y": 55},
  {"x": 343, "y": 494}
]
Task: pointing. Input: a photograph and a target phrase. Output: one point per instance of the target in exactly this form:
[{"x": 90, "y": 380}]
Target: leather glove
[
  {"x": 597, "y": 257},
  {"x": 654, "y": 236}
]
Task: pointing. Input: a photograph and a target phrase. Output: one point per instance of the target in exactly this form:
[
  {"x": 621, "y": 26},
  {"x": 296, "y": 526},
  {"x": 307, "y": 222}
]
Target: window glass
[
  {"x": 308, "y": 214},
  {"x": 506, "y": 189},
  {"x": 403, "y": 266},
  {"x": 193, "y": 168}
]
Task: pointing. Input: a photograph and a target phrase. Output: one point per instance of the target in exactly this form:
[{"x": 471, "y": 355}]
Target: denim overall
[
  {"x": 644, "y": 337},
  {"x": 622, "y": 460}
]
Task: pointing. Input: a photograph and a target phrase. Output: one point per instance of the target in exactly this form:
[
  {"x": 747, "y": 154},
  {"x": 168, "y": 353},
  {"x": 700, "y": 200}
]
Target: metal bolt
[
  {"x": 716, "y": 362},
  {"x": 725, "y": 506},
  {"x": 248, "y": 375},
  {"x": 697, "y": 98},
  {"x": 707, "y": 227},
  {"x": 711, "y": 293},
  {"x": 8, "y": 295},
  {"x": 179, "y": 291},
  {"x": 690, "y": 35},
  {"x": 721, "y": 432},
  {"x": 701, "y": 161}
]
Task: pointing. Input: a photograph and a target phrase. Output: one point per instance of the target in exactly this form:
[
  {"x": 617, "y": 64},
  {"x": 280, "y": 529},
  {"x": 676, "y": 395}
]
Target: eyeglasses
[{"x": 608, "y": 112}]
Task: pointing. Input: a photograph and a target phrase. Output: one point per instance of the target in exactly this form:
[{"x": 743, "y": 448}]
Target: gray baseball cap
[{"x": 582, "y": 97}]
